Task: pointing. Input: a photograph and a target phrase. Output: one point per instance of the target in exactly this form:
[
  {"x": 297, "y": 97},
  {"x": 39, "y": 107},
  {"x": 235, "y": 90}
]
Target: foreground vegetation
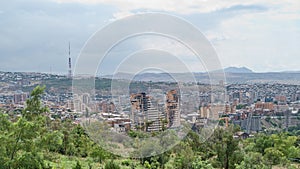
[{"x": 32, "y": 141}]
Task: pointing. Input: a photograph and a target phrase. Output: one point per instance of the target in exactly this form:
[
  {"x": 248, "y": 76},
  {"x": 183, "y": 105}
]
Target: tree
[
  {"x": 23, "y": 138},
  {"x": 198, "y": 163},
  {"x": 80, "y": 141},
  {"x": 111, "y": 165},
  {"x": 252, "y": 160},
  {"x": 98, "y": 154},
  {"x": 6, "y": 128},
  {"x": 184, "y": 156},
  {"x": 226, "y": 148},
  {"x": 34, "y": 106},
  {"x": 273, "y": 156},
  {"x": 52, "y": 141},
  {"x": 78, "y": 166},
  {"x": 263, "y": 142}
]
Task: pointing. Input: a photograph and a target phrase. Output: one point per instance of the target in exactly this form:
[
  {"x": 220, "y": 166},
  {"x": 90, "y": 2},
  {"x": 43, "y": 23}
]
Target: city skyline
[{"x": 259, "y": 35}]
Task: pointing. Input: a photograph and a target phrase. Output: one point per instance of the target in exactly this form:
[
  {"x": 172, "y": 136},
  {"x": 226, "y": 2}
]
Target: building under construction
[
  {"x": 143, "y": 115},
  {"x": 172, "y": 109}
]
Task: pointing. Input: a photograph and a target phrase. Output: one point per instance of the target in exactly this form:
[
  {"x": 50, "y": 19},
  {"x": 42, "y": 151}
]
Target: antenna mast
[{"x": 70, "y": 63}]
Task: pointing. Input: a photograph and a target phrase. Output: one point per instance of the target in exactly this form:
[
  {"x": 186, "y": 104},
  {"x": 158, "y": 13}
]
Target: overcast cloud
[{"x": 259, "y": 34}]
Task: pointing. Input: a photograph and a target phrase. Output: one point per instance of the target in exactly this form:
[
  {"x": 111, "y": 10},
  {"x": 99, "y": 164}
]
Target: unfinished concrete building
[
  {"x": 143, "y": 115},
  {"x": 172, "y": 109}
]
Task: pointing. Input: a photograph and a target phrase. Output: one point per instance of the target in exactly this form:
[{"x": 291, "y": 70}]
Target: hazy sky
[{"x": 262, "y": 35}]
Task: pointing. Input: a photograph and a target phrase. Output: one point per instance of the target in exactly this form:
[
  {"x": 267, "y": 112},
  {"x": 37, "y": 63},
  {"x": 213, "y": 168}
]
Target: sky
[{"x": 262, "y": 35}]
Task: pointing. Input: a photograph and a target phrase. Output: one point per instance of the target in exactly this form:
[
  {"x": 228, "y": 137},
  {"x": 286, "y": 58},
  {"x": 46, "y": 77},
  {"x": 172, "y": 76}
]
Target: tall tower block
[
  {"x": 172, "y": 109},
  {"x": 70, "y": 63}
]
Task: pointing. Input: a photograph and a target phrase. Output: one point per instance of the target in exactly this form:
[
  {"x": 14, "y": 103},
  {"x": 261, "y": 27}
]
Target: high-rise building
[
  {"x": 86, "y": 98},
  {"x": 143, "y": 115},
  {"x": 154, "y": 118},
  {"x": 203, "y": 111},
  {"x": 20, "y": 98},
  {"x": 108, "y": 107},
  {"x": 172, "y": 109},
  {"x": 139, "y": 105}
]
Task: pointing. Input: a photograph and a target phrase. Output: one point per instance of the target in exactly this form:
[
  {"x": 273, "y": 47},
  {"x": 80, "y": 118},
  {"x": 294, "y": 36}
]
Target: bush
[
  {"x": 78, "y": 166},
  {"x": 126, "y": 162},
  {"x": 112, "y": 165}
]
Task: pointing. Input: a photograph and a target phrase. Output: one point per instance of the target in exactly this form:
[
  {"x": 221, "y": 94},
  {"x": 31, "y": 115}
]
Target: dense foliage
[{"x": 32, "y": 140}]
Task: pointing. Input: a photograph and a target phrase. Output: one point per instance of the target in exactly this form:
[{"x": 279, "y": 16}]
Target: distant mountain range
[
  {"x": 232, "y": 75},
  {"x": 290, "y": 72},
  {"x": 237, "y": 70}
]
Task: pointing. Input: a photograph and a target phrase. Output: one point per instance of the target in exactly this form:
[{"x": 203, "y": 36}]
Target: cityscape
[
  {"x": 254, "y": 107},
  {"x": 155, "y": 107},
  {"x": 110, "y": 84}
]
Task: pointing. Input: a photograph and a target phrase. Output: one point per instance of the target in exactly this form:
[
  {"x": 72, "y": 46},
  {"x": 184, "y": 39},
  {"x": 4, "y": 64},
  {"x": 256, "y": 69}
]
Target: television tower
[{"x": 70, "y": 63}]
